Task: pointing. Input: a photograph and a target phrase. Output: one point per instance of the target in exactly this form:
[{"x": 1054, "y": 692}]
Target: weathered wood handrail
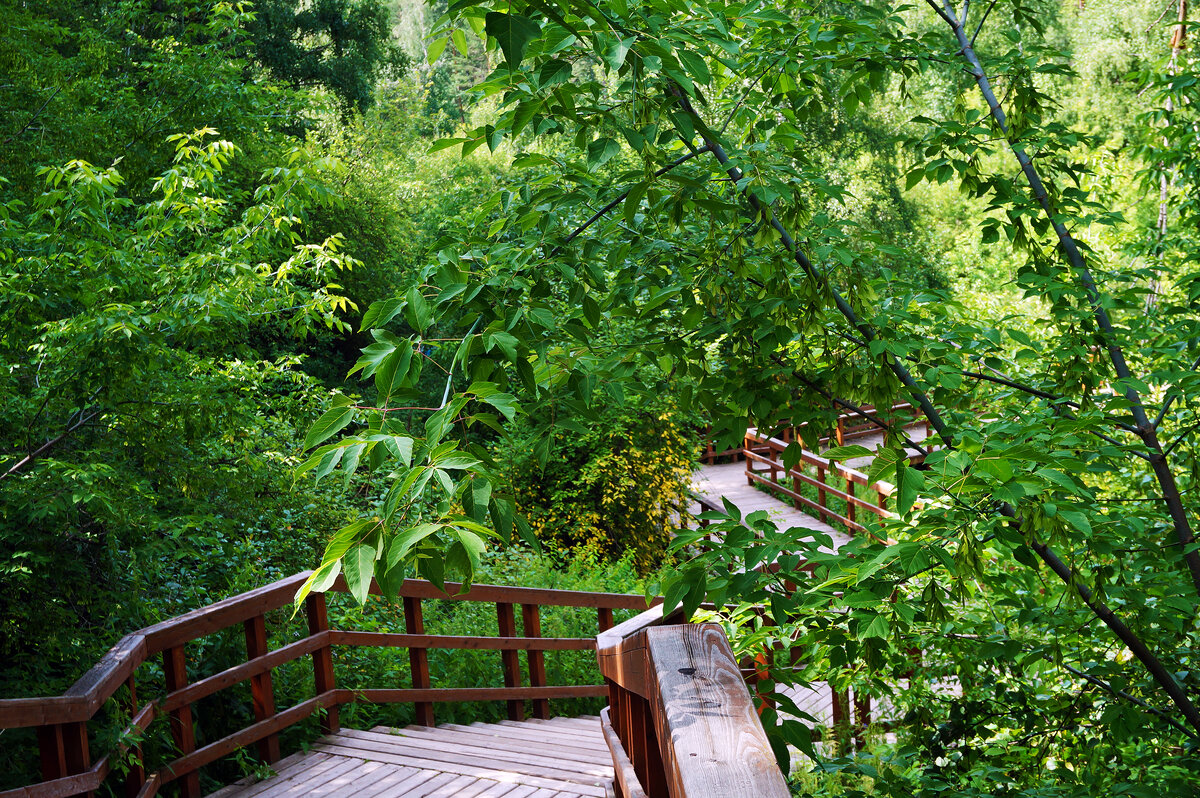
[
  {"x": 61, "y": 721},
  {"x": 681, "y": 722}
]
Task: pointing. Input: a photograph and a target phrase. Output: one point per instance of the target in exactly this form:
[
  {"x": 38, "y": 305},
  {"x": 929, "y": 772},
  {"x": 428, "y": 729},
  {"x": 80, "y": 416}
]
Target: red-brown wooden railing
[
  {"x": 768, "y": 451},
  {"x": 62, "y": 721},
  {"x": 681, "y": 722}
]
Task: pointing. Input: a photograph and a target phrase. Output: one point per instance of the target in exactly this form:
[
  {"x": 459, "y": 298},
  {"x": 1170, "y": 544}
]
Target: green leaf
[
  {"x": 436, "y": 48},
  {"x": 513, "y": 32},
  {"x": 695, "y": 65},
  {"x": 404, "y": 542},
  {"x": 846, "y": 452},
  {"x": 553, "y": 73},
  {"x": 359, "y": 567},
  {"x": 330, "y": 423},
  {"x": 601, "y": 151}
]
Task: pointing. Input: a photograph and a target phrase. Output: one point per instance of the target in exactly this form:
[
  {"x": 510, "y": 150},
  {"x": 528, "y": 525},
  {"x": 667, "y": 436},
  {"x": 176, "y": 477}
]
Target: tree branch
[
  {"x": 29, "y": 459},
  {"x": 1157, "y": 670},
  {"x": 595, "y": 217},
  {"x": 1145, "y": 430}
]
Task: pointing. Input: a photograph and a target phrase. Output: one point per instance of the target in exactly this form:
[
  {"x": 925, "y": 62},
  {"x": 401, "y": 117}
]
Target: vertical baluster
[
  {"x": 318, "y": 621},
  {"x": 418, "y": 659},
  {"x": 850, "y": 507},
  {"x": 175, "y": 672},
  {"x": 604, "y": 618},
  {"x": 135, "y": 779},
  {"x": 882, "y": 503},
  {"x": 64, "y": 750},
  {"x": 510, "y": 659},
  {"x": 840, "y": 432},
  {"x": 821, "y": 490},
  {"x": 532, "y": 619},
  {"x": 262, "y": 687}
]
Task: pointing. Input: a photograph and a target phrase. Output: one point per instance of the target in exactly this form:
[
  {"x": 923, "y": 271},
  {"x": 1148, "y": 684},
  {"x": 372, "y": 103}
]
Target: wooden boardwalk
[
  {"x": 729, "y": 480},
  {"x": 557, "y": 758}
]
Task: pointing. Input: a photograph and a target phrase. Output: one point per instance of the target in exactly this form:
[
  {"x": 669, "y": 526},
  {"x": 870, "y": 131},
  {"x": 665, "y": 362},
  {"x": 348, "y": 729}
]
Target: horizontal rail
[
  {"x": 394, "y": 640},
  {"x": 84, "y": 698},
  {"x": 61, "y": 720}
]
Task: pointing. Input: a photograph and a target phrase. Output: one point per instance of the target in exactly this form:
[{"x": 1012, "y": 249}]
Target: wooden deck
[{"x": 557, "y": 758}]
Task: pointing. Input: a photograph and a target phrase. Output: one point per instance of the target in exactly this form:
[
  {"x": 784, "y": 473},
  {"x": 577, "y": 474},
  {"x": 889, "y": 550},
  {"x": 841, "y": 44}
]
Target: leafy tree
[
  {"x": 686, "y": 198},
  {"x": 344, "y": 46}
]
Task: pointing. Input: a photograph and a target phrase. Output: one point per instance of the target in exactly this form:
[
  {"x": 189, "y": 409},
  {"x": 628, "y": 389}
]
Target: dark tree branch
[
  {"x": 983, "y": 19},
  {"x": 1132, "y": 699},
  {"x": 595, "y": 217},
  {"x": 1165, "y": 477},
  {"x": 82, "y": 420},
  {"x": 1136, "y": 645}
]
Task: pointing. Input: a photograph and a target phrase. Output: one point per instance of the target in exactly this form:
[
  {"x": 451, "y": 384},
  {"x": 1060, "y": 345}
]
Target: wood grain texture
[{"x": 712, "y": 741}]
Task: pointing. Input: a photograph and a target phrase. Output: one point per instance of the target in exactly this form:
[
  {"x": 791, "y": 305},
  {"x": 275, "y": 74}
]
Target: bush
[{"x": 613, "y": 488}]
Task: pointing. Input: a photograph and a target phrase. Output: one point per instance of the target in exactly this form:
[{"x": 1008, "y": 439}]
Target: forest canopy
[{"x": 271, "y": 279}]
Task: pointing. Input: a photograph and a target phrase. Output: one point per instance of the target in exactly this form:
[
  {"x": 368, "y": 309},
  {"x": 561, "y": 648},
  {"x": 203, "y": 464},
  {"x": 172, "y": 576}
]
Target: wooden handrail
[
  {"x": 681, "y": 722},
  {"x": 61, "y": 721}
]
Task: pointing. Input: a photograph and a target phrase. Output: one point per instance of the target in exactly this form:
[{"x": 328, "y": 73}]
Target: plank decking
[{"x": 557, "y": 758}]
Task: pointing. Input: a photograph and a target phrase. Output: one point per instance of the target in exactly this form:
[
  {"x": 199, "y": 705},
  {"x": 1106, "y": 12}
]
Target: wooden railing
[
  {"x": 62, "y": 721},
  {"x": 768, "y": 451},
  {"x": 681, "y": 722}
]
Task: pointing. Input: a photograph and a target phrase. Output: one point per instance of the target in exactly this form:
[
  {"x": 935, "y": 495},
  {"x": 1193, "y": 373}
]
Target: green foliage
[
  {"x": 343, "y": 46},
  {"x": 615, "y": 486}
]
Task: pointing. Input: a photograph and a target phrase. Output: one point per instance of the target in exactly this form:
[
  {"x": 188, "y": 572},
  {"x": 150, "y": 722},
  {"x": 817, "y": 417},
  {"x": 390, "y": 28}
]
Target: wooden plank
[
  {"x": 395, "y": 777},
  {"x": 535, "y": 762},
  {"x": 495, "y": 789},
  {"x": 420, "y": 786},
  {"x": 531, "y": 621},
  {"x": 418, "y": 659},
  {"x": 540, "y": 733},
  {"x": 572, "y": 730},
  {"x": 468, "y": 642},
  {"x": 405, "y": 695},
  {"x": 310, "y": 780},
  {"x": 239, "y": 673},
  {"x": 251, "y": 734},
  {"x": 712, "y": 741},
  {"x": 439, "y": 785},
  {"x": 233, "y": 610},
  {"x": 591, "y": 725},
  {"x": 487, "y": 769},
  {"x": 501, "y": 742},
  {"x": 511, "y": 663},
  {"x": 291, "y": 764},
  {"x": 482, "y": 748},
  {"x": 521, "y": 737},
  {"x": 631, "y": 787},
  {"x": 352, "y": 782}
]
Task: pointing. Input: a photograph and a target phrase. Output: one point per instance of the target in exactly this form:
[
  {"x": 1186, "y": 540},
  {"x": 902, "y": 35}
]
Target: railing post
[
  {"x": 821, "y": 489},
  {"x": 531, "y": 618},
  {"x": 175, "y": 673},
  {"x": 840, "y": 432},
  {"x": 796, "y": 483},
  {"x": 64, "y": 750},
  {"x": 262, "y": 687},
  {"x": 604, "y": 618},
  {"x": 135, "y": 779},
  {"x": 850, "y": 506},
  {"x": 511, "y": 660},
  {"x": 318, "y": 621},
  {"x": 418, "y": 659}
]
